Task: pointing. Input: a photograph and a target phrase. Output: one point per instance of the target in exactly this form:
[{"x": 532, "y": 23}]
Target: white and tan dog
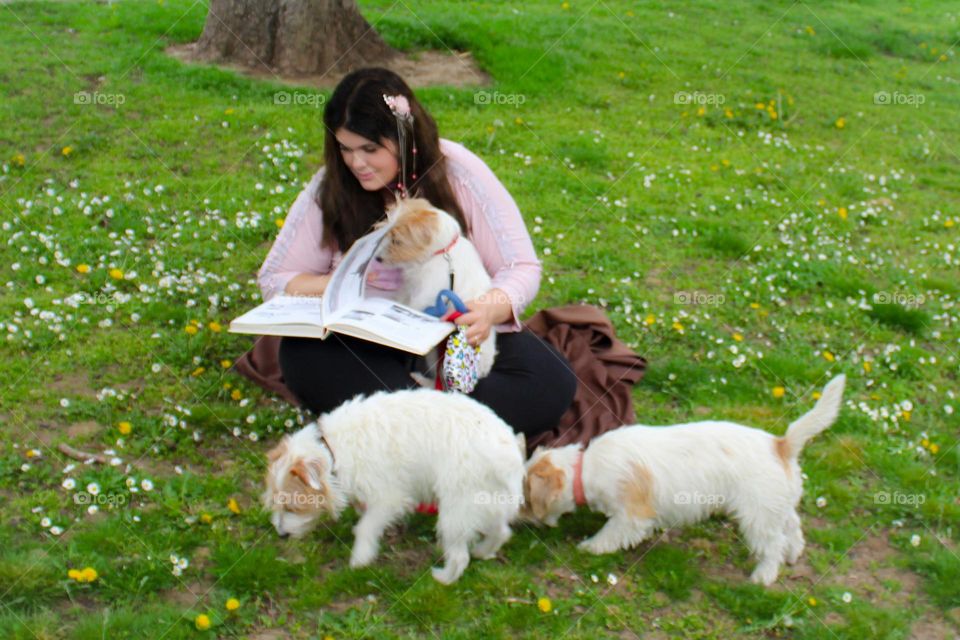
[
  {"x": 391, "y": 451},
  {"x": 430, "y": 248},
  {"x": 644, "y": 478}
]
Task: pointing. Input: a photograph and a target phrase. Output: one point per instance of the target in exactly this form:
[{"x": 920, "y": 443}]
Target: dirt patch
[
  {"x": 76, "y": 384},
  {"x": 83, "y": 429},
  {"x": 189, "y": 594},
  {"x": 418, "y": 69}
]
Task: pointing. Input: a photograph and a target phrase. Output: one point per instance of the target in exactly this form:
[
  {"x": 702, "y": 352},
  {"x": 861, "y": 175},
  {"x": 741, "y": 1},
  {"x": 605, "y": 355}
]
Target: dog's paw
[
  {"x": 765, "y": 575},
  {"x": 596, "y": 547},
  {"x": 446, "y": 576},
  {"x": 361, "y": 556}
]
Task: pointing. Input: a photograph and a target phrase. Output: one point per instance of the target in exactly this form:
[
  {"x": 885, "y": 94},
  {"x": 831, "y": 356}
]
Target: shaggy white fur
[
  {"x": 391, "y": 451},
  {"x": 428, "y": 245},
  {"x": 644, "y": 478}
]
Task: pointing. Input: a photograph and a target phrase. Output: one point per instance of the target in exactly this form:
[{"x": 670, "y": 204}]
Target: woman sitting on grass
[{"x": 531, "y": 384}]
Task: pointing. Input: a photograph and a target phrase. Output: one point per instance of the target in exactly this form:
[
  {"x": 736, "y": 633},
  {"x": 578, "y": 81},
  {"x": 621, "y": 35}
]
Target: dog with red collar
[
  {"x": 429, "y": 247},
  {"x": 647, "y": 478}
]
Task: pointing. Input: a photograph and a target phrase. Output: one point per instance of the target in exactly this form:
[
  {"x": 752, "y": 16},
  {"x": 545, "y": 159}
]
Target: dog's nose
[{"x": 284, "y": 534}]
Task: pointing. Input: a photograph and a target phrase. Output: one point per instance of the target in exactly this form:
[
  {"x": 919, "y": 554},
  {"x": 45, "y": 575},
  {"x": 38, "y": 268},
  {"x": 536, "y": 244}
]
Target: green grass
[{"x": 793, "y": 228}]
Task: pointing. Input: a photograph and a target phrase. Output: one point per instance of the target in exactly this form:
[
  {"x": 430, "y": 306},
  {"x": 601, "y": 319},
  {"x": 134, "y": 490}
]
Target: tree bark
[{"x": 291, "y": 37}]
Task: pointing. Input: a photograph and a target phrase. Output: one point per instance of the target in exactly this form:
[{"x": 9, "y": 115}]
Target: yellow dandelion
[
  {"x": 206, "y": 518},
  {"x": 934, "y": 448},
  {"x": 778, "y": 392},
  {"x": 124, "y": 428},
  {"x": 116, "y": 274},
  {"x": 650, "y": 319},
  {"x": 810, "y": 30},
  {"x": 924, "y": 443},
  {"x": 906, "y": 416},
  {"x": 816, "y": 395},
  {"x": 829, "y": 357},
  {"x": 19, "y": 160},
  {"x": 621, "y": 75},
  {"x": 83, "y": 268},
  {"x": 66, "y": 151},
  {"x": 518, "y": 120},
  {"x": 191, "y": 329},
  {"x": 754, "y": 305},
  {"x": 565, "y": 6},
  {"x": 728, "y": 113},
  {"x": 842, "y": 212},
  {"x": 227, "y": 385},
  {"x": 701, "y": 111},
  {"x": 773, "y": 114},
  {"x": 725, "y": 162},
  {"x": 232, "y": 604},
  {"x": 279, "y": 222},
  {"x": 233, "y": 506},
  {"x": 812, "y": 601},
  {"x": 738, "y": 337},
  {"x": 74, "y": 574},
  {"x": 202, "y": 622},
  {"x": 215, "y": 326},
  {"x": 198, "y": 371},
  {"x": 840, "y": 123},
  {"x": 228, "y": 111},
  {"x": 949, "y": 223},
  {"x": 760, "y": 105},
  {"x": 678, "y": 327},
  {"x": 235, "y": 394},
  {"x": 867, "y": 367},
  {"x": 226, "y": 364},
  {"x": 943, "y": 57},
  {"x": 89, "y": 574},
  {"x": 195, "y": 322},
  {"x": 544, "y": 605}
]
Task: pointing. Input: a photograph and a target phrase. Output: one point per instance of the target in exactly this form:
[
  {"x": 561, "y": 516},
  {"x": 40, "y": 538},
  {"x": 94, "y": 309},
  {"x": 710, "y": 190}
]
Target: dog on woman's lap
[
  {"x": 428, "y": 245},
  {"x": 646, "y": 478}
]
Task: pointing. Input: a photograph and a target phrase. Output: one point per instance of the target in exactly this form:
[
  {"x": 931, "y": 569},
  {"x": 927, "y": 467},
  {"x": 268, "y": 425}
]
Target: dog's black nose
[{"x": 284, "y": 535}]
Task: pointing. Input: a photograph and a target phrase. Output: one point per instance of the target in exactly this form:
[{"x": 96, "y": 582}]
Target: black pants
[{"x": 530, "y": 387}]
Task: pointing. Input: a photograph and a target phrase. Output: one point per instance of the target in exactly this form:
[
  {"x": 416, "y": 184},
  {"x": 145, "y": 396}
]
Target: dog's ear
[
  {"x": 278, "y": 451},
  {"x": 309, "y": 472},
  {"x": 543, "y": 486}
]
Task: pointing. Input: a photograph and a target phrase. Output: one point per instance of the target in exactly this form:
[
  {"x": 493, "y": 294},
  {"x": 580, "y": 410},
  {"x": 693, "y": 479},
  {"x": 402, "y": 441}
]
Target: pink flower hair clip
[{"x": 399, "y": 106}]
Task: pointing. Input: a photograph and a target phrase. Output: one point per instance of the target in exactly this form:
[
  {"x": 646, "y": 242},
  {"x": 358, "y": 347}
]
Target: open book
[{"x": 344, "y": 308}]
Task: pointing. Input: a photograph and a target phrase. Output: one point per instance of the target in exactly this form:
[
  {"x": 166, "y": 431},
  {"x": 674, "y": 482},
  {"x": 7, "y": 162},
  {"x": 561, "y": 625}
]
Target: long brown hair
[{"x": 357, "y": 104}]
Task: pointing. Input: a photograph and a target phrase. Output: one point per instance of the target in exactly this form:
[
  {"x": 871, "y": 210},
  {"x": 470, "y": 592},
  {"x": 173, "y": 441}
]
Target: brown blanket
[{"x": 605, "y": 369}]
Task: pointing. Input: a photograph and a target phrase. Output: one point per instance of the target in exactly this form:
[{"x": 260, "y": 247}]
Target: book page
[
  {"x": 387, "y": 322},
  {"x": 347, "y": 285},
  {"x": 283, "y": 309}
]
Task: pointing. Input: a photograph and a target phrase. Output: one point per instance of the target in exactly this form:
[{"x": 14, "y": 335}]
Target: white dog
[
  {"x": 430, "y": 248},
  {"x": 644, "y": 478},
  {"x": 391, "y": 451}
]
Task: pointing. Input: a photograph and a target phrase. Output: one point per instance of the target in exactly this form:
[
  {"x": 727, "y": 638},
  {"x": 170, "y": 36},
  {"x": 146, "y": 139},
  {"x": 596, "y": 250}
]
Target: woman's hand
[
  {"x": 307, "y": 284},
  {"x": 485, "y": 312}
]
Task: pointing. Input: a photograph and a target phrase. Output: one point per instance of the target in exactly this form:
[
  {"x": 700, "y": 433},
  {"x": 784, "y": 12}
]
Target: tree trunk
[{"x": 291, "y": 37}]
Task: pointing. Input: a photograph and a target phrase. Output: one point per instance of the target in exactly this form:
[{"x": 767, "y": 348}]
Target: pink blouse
[{"x": 497, "y": 231}]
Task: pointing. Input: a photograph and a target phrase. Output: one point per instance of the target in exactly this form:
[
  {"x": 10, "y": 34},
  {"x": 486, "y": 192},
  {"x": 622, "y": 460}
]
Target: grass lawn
[{"x": 761, "y": 196}]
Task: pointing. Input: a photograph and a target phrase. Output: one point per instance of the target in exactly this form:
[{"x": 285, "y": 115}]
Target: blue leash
[{"x": 445, "y": 297}]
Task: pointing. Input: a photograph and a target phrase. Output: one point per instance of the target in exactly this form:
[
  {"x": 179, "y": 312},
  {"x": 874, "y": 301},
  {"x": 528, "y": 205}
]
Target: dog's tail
[{"x": 823, "y": 414}]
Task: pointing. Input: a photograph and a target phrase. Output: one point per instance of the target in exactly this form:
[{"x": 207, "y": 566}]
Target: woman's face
[{"x": 374, "y": 164}]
